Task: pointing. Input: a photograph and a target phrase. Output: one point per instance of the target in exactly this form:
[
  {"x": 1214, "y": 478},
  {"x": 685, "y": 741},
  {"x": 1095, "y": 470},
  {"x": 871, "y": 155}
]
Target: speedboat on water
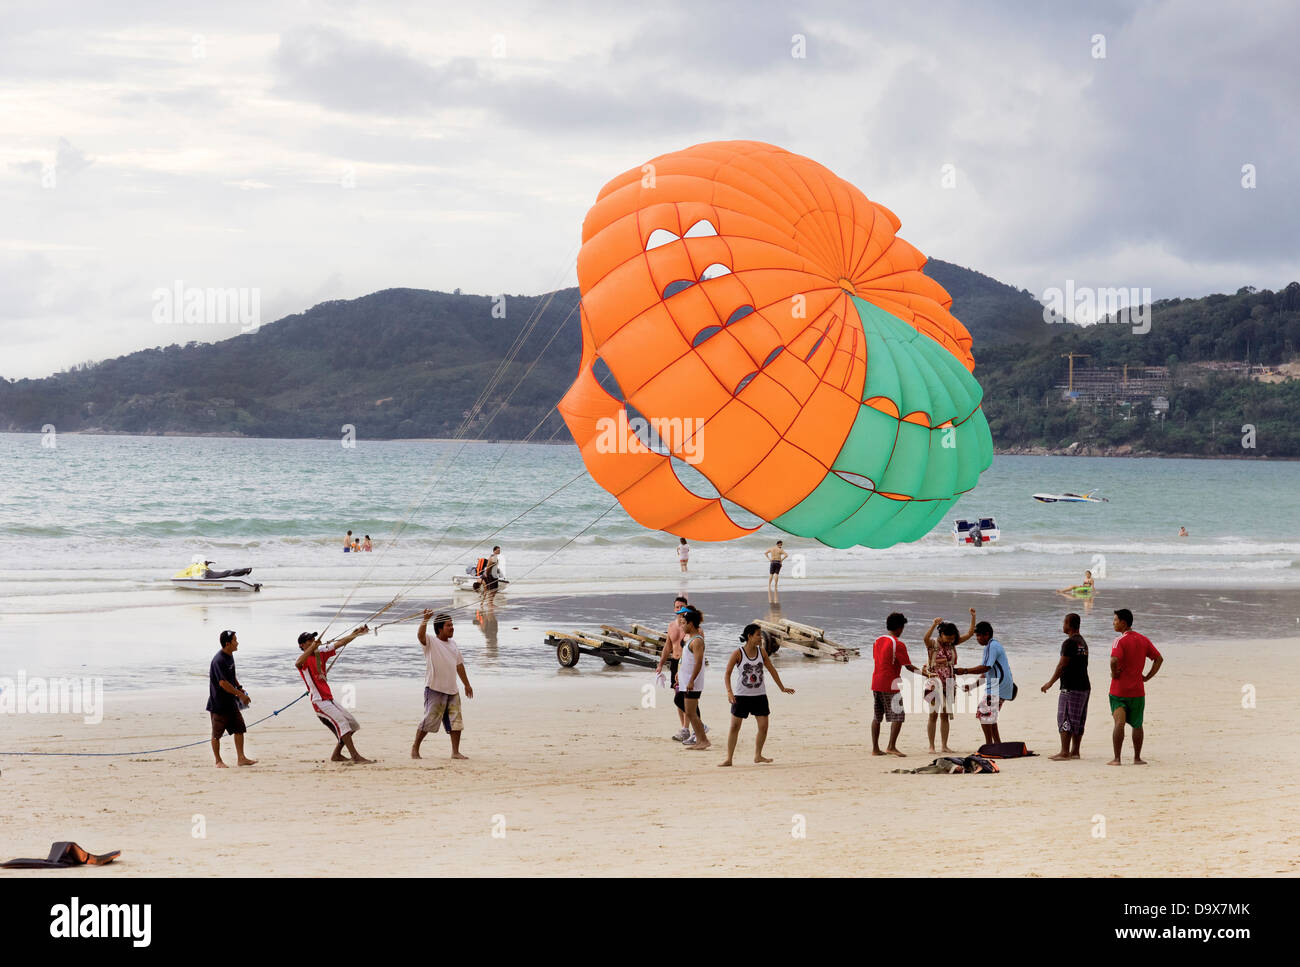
[
  {"x": 1091, "y": 497},
  {"x": 199, "y": 576},
  {"x": 980, "y": 531}
]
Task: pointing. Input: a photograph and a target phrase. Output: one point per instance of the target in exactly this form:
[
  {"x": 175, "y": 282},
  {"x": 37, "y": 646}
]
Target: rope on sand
[{"x": 170, "y": 748}]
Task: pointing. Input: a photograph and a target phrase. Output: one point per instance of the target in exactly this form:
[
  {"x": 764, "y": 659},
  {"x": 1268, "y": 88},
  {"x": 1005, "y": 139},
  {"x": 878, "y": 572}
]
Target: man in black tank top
[{"x": 1076, "y": 689}]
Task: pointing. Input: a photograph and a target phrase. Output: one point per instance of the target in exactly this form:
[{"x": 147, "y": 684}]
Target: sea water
[
  {"x": 93, "y": 527},
  {"x": 96, "y": 515}
]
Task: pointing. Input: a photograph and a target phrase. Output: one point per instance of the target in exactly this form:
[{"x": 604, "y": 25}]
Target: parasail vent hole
[
  {"x": 857, "y": 479},
  {"x": 704, "y": 334},
  {"x": 739, "y": 314},
  {"x": 605, "y": 377},
  {"x": 645, "y": 430}
]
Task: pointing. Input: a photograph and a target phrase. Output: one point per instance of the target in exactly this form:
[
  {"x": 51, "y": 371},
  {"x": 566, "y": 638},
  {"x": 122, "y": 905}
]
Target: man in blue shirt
[
  {"x": 226, "y": 699},
  {"x": 996, "y": 672}
]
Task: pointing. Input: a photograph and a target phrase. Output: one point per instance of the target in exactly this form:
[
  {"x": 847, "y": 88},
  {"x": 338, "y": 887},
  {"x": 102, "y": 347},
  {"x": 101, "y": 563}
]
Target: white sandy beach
[{"x": 575, "y": 778}]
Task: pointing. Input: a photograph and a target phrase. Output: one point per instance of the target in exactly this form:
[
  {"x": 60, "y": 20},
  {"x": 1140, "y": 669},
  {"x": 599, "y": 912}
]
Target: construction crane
[{"x": 1072, "y": 357}]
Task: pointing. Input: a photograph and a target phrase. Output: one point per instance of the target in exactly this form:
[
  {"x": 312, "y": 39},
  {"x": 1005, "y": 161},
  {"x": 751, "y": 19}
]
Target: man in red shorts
[{"x": 311, "y": 665}]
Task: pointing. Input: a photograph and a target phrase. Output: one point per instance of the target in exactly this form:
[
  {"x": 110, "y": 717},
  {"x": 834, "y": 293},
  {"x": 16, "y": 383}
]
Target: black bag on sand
[{"x": 1005, "y": 750}]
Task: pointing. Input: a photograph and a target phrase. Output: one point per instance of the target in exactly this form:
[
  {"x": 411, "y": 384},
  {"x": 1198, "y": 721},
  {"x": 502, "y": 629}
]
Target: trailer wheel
[
  {"x": 612, "y": 659},
  {"x": 566, "y": 652}
]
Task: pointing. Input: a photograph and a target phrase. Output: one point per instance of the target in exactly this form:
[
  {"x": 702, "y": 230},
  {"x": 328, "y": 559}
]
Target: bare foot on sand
[
  {"x": 457, "y": 755},
  {"x": 1114, "y": 762},
  {"x": 947, "y": 751},
  {"x": 362, "y": 760},
  {"x": 1059, "y": 757},
  {"x": 760, "y": 758},
  {"x": 700, "y": 746},
  {"x": 876, "y": 752},
  {"x": 339, "y": 758},
  {"x": 221, "y": 765},
  {"x": 727, "y": 763},
  {"x": 247, "y": 762},
  {"x": 1139, "y": 762},
  {"x": 414, "y": 754},
  {"x": 901, "y": 755}
]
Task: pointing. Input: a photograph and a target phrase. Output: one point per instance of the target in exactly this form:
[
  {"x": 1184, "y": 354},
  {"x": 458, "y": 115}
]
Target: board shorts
[
  {"x": 680, "y": 698},
  {"x": 232, "y": 723},
  {"x": 672, "y": 668},
  {"x": 887, "y": 707},
  {"x": 441, "y": 710},
  {"x": 1133, "y": 707},
  {"x": 774, "y": 567},
  {"x": 987, "y": 712},
  {"x": 336, "y": 718},
  {"x": 1072, "y": 711},
  {"x": 746, "y": 705},
  {"x": 940, "y": 695}
]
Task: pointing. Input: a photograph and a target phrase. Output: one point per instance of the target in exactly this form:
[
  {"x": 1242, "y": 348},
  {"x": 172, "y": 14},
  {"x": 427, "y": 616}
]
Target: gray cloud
[{"x": 396, "y": 151}]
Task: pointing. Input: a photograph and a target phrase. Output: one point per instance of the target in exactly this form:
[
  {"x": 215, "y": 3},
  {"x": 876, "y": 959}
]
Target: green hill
[{"x": 410, "y": 363}]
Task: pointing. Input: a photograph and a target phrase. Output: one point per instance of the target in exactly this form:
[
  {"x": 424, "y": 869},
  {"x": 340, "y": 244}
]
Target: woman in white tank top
[
  {"x": 690, "y": 677},
  {"x": 749, "y": 697}
]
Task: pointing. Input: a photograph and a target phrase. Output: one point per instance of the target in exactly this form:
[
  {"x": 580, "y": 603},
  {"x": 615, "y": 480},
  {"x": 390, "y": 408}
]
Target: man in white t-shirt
[{"x": 443, "y": 663}]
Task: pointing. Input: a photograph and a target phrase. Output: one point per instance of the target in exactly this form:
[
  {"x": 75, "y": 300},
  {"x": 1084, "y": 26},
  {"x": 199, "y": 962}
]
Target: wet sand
[{"x": 570, "y": 773}]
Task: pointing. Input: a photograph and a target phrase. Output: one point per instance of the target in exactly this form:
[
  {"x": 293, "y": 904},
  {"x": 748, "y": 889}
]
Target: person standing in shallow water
[
  {"x": 683, "y": 554},
  {"x": 775, "y": 555}
]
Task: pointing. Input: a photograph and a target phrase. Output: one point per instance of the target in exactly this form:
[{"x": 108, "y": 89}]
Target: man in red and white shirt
[{"x": 312, "y": 666}]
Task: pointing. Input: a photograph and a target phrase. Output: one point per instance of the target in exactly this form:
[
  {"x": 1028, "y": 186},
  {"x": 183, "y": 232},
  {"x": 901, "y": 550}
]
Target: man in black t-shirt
[
  {"x": 225, "y": 699},
  {"x": 1072, "y": 706}
]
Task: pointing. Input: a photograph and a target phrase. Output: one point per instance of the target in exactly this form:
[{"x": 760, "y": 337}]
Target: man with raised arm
[{"x": 443, "y": 663}]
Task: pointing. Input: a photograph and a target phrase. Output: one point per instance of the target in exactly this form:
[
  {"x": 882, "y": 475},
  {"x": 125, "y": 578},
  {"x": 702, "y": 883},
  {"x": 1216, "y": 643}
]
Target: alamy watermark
[
  {"x": 193, "y": 306},
  {"x": 680, "y": 436},
  {"x": 53, "y": 696},
  {"x": 1086, "y": 304}
]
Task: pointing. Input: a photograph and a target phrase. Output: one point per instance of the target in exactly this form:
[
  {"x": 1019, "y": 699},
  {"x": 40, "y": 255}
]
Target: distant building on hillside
[
  {"x": 1255, "y": 371},
  {"x": 1117, "y": 384}
]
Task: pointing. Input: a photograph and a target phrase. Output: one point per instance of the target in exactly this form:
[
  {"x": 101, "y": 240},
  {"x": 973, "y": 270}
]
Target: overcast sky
[{"x": 323, "y": 150}]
